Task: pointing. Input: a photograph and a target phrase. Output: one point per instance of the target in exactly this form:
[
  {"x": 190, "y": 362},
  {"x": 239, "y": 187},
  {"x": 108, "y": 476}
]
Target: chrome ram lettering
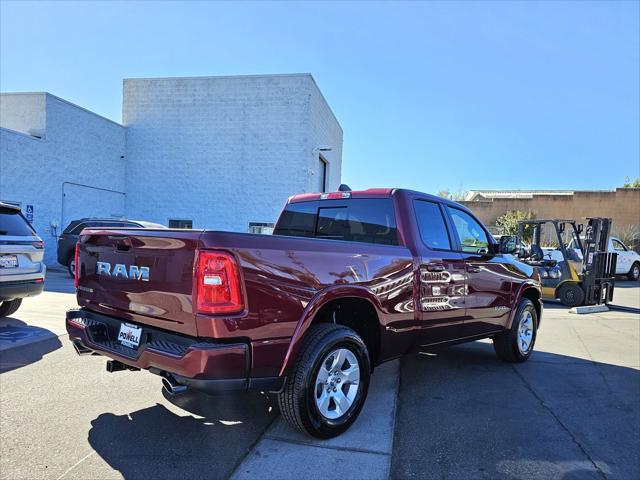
[{"x": 134, "y": 272}]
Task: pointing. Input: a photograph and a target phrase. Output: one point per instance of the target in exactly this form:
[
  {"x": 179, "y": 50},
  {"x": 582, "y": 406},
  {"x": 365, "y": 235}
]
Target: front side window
[
  {"x": 618, "y": 246},
  {"x": 354, "y": 220},
  {"x": 473, "y": 238},
  {"x": 433, "y": 229}
]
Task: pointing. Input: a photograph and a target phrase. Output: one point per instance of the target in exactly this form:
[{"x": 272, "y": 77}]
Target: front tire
[
  {"x": 9, "y": 307},
  {"x": 328, "y": 385},
  {"x": 634, "y": 273},
  {"x": 517, "y": 344},
  {"x": 571, "y": 295}
]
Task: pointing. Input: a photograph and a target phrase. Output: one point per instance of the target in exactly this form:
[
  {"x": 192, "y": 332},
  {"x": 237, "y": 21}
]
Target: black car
[{"x": 67, "y": 241}]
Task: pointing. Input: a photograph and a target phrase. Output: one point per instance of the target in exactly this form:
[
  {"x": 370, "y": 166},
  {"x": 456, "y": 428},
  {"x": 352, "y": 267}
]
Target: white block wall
[
  {"x": 22, "y": 112},
  {"x": 224, "y": 151},
  {"x": 79, "y": 147},
  {"x": 220, "y": 151}
]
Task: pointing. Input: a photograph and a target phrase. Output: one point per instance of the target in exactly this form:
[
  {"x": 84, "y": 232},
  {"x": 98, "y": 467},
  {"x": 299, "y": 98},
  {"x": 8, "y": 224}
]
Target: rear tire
[
  {"x": 328, "y": 384},
  {"x": 9, "y": 307},
  {"x": 517, "y": 344},
  {"x": 571, "y": 295},
  {"x": 634, "y": 273},
  {"x": 71, "y": 267}
]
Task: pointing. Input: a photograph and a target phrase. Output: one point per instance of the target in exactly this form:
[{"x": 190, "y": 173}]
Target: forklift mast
[
  {"x": 599, "y": 265},
  {"x": 594, "y": 273}
]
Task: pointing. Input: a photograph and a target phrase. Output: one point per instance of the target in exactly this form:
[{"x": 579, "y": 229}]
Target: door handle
[
  {"x": 435, "y": 267},
  {"x": 474, "y": 269}
]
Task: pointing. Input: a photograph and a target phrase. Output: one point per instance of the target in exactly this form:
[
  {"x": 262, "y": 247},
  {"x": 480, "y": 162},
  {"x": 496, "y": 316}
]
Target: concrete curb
[
  {"x": 27, "y": 342},
  {"x": 589, "y": 309},
  {"x": 364, "y": 451}
]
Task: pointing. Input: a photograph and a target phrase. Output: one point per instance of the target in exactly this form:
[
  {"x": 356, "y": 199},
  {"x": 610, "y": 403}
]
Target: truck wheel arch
[
  {"x": 532, "y": 293},
  {"x": 359, "y": 309}
]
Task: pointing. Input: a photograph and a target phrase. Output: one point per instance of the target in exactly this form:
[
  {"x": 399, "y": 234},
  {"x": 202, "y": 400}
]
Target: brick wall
[{"x": 622, "y": 205}]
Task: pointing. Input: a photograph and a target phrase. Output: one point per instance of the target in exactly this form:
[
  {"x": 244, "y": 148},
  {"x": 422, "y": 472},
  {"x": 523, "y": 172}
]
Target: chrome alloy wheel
[
  {"x": 636, "y": 271},
  {"x": 525, "y": 332},
  {"x": 337, "y": 383}
]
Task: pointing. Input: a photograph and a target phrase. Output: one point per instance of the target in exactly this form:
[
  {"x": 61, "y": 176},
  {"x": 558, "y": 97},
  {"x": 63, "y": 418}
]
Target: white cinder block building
[{"x": 207, "y": 152}]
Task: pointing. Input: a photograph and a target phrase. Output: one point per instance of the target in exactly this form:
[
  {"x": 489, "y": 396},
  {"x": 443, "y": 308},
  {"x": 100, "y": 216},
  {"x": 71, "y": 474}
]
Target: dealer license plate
[
  {"x": 129, "y": 335},
  {"x": 8, "y": 261}
]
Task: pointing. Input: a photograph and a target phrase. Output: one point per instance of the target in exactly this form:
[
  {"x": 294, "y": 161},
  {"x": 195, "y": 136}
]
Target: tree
[
  {"x": 628, "y": 183},
  {"x": 458, "y": 196},
  {"x": 508, "y": 222}
]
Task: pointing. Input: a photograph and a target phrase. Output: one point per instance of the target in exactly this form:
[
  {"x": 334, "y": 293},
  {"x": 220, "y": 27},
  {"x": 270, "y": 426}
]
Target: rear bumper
[
  {"x": 204, "y": 365},
  {"x": 20, "y": 289}
]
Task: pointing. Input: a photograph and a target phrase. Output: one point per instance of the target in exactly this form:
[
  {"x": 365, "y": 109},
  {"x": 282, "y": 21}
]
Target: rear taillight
[
  {"x": 76, "y": 266},
  {"x": 38, "y": 244},
  {"x": 217, "y": 280}
]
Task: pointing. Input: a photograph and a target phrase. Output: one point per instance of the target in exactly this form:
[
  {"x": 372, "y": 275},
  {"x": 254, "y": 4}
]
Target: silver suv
[{"x": 21, "y": 266}]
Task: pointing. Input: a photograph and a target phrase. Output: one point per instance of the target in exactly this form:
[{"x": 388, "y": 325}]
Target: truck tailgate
[{"x": 141, "y": 275}]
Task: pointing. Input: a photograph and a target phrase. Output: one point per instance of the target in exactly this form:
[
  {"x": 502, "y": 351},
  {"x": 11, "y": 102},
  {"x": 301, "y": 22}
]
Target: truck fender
[
  {"x": 315, "y": 304},
  {"x": 519, "y": 293}
]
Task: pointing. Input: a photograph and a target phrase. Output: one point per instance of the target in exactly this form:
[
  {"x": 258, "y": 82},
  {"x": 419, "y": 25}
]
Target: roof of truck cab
[{"x": 369, "y": 193}]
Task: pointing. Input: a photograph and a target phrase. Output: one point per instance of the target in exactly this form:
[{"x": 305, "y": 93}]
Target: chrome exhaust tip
[{"x": 172, "y": 387}]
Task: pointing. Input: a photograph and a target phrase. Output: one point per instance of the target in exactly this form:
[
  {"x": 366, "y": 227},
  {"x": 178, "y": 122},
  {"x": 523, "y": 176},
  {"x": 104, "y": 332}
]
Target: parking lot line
[{"x": 76, "y": 464}]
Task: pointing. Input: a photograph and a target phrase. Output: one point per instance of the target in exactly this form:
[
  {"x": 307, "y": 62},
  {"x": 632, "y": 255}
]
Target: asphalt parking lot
[{"x": 572, "y": 411}]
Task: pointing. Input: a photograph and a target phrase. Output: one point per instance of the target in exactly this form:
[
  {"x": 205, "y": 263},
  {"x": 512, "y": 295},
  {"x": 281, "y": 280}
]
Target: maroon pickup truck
[{"x": 347, "y": 281}]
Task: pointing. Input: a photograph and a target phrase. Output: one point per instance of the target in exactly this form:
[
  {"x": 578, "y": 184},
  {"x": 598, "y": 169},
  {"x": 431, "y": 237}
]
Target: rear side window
[
  {"x": 117, "y": 225},
  {"x": 433, "y": 229},
  {"x": 355, "y": 220},
  {"x": 72, "y": 226},
  {"x": 12, "y": 223},
  {"x": 298, "y": 220}
]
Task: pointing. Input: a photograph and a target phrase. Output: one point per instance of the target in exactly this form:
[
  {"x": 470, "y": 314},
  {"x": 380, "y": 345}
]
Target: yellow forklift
[{"x": 573, "y": 269}]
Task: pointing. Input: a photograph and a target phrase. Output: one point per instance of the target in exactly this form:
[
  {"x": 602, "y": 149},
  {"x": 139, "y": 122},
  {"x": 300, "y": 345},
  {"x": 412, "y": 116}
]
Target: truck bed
[{"x": 279, "y": 277}]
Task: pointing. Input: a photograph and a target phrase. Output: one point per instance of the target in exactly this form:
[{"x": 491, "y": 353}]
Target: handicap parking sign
[{"x": 29, "y": 213}]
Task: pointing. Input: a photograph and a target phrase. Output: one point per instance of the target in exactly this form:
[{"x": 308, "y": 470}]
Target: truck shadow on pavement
[
  {"x": 207, "y": 437},
  {"x": 463, "y": 414},
  {"x": 22, "y": 344}
]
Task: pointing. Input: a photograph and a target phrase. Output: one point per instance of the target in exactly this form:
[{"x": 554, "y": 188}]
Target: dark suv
[{"x": 67, "y": 241}]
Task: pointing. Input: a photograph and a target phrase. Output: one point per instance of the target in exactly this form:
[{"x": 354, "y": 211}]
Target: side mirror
[{"x": 510, "y": 244}]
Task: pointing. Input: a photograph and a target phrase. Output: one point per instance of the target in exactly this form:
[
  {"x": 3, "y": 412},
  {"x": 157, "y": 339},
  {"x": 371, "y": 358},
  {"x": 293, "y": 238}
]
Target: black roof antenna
[{"x": 344, "y": 188}]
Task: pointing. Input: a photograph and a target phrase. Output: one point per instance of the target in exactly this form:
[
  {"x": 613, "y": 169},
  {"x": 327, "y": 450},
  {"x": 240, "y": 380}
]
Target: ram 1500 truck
[{"x": 347, "y": 281}]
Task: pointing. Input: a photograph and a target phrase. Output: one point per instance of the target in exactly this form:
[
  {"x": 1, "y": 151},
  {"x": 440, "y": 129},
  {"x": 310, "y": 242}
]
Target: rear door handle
[{"x": 435, "y": 267}]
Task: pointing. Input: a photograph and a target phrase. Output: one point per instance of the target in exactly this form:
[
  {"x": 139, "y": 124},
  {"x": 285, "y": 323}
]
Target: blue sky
[{"x": 430, "y": 95}]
